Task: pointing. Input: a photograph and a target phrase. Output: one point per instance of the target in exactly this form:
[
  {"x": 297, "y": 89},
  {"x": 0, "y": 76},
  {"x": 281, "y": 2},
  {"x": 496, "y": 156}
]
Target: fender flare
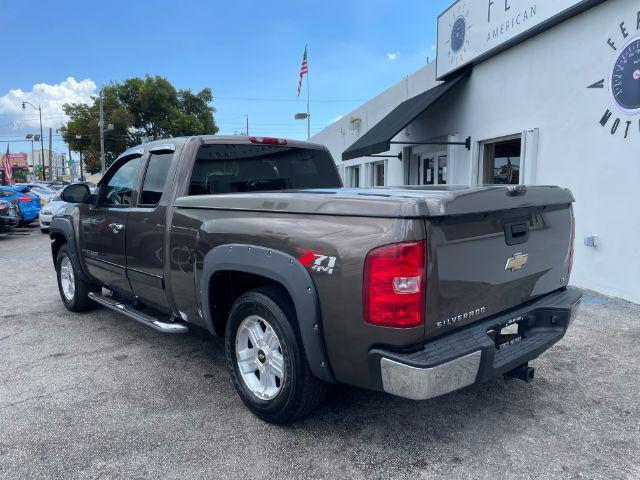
[
  {"x": 64, "y": 226},
  {"x": 284, "y": 269}
]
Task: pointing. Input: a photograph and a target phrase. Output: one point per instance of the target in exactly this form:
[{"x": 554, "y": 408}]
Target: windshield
[{"x": 229, "y": 168}]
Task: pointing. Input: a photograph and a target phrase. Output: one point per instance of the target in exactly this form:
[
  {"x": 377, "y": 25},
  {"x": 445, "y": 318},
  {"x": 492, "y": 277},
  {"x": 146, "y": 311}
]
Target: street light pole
[
  {"x": 24, "y": 106},
  {"x": 79, "y": 137}
]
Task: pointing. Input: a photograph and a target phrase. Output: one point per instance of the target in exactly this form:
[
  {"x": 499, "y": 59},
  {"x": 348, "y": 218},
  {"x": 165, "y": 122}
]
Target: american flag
[
  {"x": 6, "y": 164},
  {"x": 304, "y": 69}
]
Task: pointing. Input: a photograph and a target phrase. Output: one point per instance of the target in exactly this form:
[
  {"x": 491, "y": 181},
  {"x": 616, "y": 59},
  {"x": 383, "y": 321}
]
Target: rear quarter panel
[{"x": 347, "y": 338}]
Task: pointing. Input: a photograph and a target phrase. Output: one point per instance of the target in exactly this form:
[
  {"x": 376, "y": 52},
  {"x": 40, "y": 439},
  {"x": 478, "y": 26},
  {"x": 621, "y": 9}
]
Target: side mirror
[{"x": 76, "y": 193}]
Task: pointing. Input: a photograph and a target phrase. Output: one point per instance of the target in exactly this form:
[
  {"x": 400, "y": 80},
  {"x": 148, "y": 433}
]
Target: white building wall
[{"x": 539, "y": 88}]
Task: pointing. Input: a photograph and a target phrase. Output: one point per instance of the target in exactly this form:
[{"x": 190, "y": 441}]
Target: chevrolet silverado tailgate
[{"x": 495, "y": 255}]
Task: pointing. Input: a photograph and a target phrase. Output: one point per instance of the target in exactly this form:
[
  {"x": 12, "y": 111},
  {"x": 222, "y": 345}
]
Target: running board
[{"x": 138, "y": 316}]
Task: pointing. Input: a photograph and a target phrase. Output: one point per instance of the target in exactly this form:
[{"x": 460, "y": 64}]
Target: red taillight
[
  {"x": 394, "y": 285},
  {"x": 573, "y": 237},
  {"x": 24, "y": 198},
  {"x": 268, "y": 140}
]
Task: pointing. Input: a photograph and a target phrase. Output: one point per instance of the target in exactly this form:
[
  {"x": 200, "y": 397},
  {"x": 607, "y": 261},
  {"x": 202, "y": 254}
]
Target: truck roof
[{"x": 217, "y": 139}]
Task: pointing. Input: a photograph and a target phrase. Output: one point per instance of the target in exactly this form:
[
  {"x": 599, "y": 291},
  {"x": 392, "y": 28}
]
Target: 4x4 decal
[{"x": 317, "y": 261}]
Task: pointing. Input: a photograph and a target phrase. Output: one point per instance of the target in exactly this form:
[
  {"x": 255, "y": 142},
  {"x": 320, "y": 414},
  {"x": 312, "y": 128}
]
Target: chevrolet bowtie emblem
[{"x": 516, "y": 262}]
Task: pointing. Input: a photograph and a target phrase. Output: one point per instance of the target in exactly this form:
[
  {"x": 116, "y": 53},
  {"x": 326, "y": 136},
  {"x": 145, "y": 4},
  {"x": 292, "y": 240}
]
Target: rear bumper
[
  {"x": 470, "y": 355},
  {"x": 28, "y": 215}
]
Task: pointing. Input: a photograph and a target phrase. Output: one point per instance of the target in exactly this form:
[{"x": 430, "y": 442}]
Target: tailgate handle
[{"x": 516, "y": 232}]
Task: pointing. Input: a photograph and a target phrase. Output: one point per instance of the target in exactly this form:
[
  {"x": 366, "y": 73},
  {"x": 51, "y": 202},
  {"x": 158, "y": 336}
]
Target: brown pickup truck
[{"x": 415, "y": 291}]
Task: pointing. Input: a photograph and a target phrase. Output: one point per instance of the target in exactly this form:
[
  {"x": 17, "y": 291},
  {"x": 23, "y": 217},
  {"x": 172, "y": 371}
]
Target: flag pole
[{"x": 308, "y": 103}]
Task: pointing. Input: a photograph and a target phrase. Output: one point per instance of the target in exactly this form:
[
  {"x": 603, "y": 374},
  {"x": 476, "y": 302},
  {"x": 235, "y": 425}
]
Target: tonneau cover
[{"x": 388, "y": 202}]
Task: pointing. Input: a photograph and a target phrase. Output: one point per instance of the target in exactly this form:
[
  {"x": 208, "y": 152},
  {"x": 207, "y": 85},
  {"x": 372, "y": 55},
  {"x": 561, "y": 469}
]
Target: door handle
[{"x": 116, "y": 227}]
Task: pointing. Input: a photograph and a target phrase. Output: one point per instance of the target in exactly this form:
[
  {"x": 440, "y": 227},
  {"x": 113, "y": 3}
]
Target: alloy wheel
[
  {"x": 67, "y": 279},
  {"x": 259, "y": 357}
]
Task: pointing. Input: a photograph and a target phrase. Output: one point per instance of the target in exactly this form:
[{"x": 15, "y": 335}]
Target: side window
[
  {"x": 119, "y": 189},
  {"x": 155, "y": 178}
]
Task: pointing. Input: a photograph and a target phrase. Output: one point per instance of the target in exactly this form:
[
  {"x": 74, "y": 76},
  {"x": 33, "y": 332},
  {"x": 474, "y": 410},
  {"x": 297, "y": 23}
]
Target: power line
[{"x": 294, "y": 100}]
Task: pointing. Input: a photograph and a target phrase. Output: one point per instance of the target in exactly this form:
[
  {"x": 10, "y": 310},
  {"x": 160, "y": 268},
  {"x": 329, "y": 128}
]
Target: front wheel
[
  {"x": 266, "y": 358},
  {"x": 74, "y": 292}
]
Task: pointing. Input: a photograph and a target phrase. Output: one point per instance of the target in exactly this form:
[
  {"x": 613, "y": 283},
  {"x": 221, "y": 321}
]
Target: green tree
[{"x": 140, "y": 109}]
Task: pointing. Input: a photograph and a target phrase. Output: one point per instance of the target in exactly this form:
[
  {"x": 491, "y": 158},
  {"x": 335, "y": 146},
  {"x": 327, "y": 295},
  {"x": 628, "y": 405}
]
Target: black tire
[
  {"x": 80, "y": 300},
  {"x": 300, "y": 391},
  {"x": 44, "y": 230}
]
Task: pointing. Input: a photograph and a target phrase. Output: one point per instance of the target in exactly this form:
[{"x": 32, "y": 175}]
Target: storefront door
[{"x": 433, "y": 169}]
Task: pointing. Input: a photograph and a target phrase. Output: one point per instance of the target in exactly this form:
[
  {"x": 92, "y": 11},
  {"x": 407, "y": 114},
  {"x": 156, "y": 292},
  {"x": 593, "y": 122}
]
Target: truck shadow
[{"x": 355, "y": 413}]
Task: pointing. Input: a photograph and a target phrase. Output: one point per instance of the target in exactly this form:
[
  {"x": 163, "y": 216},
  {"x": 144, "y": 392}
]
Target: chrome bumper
[
  {"x": 470, "y": 355},
  {"x": 423, "y": 383}
]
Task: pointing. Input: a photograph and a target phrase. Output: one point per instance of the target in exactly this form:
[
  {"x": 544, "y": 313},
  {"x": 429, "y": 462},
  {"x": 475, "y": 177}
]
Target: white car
[{"x": 49, "y": 210}]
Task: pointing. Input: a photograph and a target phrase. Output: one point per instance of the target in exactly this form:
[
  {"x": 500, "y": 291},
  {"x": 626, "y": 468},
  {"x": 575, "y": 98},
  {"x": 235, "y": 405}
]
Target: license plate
[{"x": 510, "y": 333}]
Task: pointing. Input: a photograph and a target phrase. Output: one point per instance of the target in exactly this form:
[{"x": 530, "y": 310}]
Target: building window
[
  {"x": 353, "y": 176},
  {"x": 378, "y": 174},
  {"x": 501, "y": 162}
]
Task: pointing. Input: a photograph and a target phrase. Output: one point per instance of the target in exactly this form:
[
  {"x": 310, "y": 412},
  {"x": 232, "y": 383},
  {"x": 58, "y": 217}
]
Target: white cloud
[
  {"x": 339, "y": 117},
  {"x": 393, "y": 56},
  {"x": 433, "y": 48},
  {"x": 50, "y": 97}
]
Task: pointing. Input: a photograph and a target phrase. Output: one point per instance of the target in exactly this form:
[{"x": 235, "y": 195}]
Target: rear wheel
[
  {"x": 266, "y": 358},
  {"x": 73, "y": 290}
]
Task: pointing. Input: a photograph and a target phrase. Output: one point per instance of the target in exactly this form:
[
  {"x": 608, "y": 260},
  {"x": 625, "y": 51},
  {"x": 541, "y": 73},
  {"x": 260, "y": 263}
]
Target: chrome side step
[{"x": 138, "y": 316}]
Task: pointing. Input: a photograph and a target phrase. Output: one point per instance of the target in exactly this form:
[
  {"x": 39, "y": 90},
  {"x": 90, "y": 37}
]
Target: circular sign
[
  {"x": 457, "y": 34},
  {"x": 625, "y": 78}
]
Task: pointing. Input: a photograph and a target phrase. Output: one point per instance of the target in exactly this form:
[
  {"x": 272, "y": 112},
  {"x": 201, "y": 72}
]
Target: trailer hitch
[{"x": 522, "y": 372}]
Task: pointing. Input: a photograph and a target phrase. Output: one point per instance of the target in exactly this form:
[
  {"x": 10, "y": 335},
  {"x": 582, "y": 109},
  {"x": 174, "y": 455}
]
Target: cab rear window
[{"x": 229, "y": 168}]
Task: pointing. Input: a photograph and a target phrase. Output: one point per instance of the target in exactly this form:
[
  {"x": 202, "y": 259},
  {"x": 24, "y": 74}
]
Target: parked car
[
  {"x": 413, "y": 291},
  {"x": 8, "y": 215},
  {"x": 52, "y": 184},
  {"x": 28, "y": 203},
  {"x": 44, "y": 192},
  {"x": 51, "y": 208}
]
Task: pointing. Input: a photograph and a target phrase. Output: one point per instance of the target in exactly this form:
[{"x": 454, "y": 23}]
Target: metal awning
[{"x": 378, "y": 138}]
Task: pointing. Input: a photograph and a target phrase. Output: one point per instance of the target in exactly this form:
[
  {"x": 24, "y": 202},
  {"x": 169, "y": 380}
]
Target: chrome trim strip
[
  {"x": 144, "y": 273},
  {"x": 423, "y": 383}
]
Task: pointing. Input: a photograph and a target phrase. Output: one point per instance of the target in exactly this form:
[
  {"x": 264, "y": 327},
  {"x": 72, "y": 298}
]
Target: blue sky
[{"x": 242, "y": 50}]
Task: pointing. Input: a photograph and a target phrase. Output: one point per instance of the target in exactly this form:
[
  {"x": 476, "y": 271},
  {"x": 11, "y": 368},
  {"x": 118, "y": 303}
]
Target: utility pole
[
  {"x": 81, "y": 174},
  {"x": 41, "y": 144},
  {"x": 247, "y": 117},
  {"x": 50, "y": 154},
  {"x": 70, "y": 163},
  {"x": 101, "y": 124}
]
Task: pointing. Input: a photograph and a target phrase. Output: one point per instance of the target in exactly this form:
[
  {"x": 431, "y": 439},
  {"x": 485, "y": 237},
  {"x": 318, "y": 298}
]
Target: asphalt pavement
[{"x": 96, "y": 395}]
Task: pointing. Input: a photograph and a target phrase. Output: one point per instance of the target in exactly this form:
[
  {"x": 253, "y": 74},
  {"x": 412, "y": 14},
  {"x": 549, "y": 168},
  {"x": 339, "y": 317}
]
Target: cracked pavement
[{"x": 96, "y": 395}]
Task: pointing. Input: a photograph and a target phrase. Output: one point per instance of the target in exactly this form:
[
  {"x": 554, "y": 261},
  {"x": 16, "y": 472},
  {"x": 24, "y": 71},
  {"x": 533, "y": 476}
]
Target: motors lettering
[{"x": 623, "y": 81}]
